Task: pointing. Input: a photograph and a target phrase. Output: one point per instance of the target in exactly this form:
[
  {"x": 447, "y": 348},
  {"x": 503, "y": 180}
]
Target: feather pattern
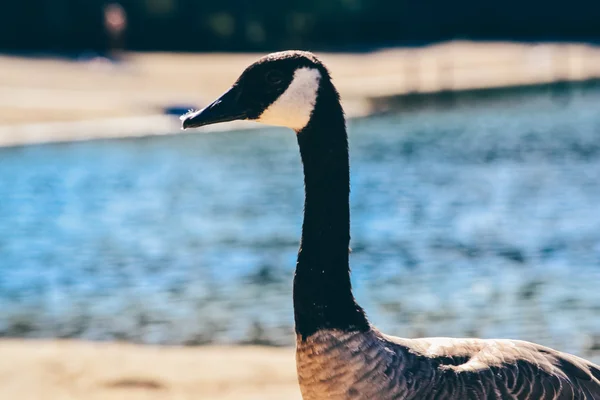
[{"x": 356, "y": 365}]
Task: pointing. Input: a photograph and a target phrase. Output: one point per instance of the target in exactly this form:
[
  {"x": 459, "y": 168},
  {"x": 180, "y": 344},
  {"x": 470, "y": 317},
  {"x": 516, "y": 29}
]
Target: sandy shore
[
  {"x": 65, "y": 370},
  {"x": 45, "y": 100}
]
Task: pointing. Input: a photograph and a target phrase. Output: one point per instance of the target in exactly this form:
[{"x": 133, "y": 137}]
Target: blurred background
[{"x": 475, "y": 149}]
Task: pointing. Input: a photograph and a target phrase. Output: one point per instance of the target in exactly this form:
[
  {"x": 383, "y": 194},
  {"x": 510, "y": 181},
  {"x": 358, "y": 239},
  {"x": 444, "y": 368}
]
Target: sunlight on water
[{"x": 479, "y": 220}]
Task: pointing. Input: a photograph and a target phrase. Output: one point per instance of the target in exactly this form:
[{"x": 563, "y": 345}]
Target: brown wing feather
[
  {"x": 502, "y": 369},
  {"x": 369, "y": 365}
]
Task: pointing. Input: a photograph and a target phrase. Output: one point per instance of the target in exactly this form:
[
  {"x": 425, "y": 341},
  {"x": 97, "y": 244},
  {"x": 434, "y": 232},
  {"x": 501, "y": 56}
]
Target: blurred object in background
[
  {"x": 115, "y": 21},
  {"x": 264, "y": 25}
]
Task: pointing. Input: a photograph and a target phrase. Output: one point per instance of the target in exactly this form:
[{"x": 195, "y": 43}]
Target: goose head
[{"x": 279, "y": 89}]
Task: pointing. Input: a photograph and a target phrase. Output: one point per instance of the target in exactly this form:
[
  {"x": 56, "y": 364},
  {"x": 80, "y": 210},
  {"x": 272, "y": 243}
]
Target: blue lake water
[{"x": 480, "y": 219}]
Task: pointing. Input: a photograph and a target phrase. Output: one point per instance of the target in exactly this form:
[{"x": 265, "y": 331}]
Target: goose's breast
[{"x": 339, "y": 365}]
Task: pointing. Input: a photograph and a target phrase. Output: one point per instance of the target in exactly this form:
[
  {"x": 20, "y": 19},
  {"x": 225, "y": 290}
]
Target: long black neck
[{"x": 322, "y": 291}]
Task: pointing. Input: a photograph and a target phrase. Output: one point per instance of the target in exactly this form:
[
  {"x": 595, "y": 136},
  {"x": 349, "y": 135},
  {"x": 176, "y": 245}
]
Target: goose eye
[{"x": 274, "y": 77}]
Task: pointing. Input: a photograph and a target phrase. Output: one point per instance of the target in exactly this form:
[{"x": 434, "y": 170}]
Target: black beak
[{"x": 225, "y": 108}]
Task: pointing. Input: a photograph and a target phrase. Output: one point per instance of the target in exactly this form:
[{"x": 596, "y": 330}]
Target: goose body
[
  {"x": 371, "y": 365},
  {"x": 339, "y": 354}
]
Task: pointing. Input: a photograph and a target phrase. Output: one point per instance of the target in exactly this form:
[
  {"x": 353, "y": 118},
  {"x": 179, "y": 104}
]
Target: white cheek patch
[{"x": 295, "y": 106}]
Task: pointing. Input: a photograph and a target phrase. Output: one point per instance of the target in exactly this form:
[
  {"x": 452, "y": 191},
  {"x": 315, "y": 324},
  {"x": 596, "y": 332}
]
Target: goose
[{"x": 339, "y": 354}]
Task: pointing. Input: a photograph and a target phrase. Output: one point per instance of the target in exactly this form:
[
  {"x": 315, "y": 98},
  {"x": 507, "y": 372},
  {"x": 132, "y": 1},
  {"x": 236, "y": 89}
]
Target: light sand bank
[
  {"x": 41, "y": 98},
  {"x": 65, "y": 370}
]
